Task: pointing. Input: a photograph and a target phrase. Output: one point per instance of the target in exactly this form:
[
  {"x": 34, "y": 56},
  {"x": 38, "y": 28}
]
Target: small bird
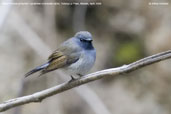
[{"x": 76, "y": 55}]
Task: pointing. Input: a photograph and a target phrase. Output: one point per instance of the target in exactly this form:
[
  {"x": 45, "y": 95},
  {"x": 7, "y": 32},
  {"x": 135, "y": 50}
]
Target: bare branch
[{"x": 39, "y": 96}]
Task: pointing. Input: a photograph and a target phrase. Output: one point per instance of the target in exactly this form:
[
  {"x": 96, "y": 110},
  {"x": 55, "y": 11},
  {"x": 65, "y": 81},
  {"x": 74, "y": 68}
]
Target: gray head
[
  {"x": 84, "y": 35},
  {"x": 84, "y": 39}
]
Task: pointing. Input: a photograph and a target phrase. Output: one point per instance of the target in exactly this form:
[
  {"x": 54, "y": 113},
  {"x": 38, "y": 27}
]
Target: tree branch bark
[{"x": 39, "y": 96}]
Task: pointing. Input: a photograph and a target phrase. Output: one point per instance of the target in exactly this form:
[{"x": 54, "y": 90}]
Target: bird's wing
[
  {"x": 56, "y": 61},
  {"x": 61, "y": 58},
  {"x": 55, "y": 54}
]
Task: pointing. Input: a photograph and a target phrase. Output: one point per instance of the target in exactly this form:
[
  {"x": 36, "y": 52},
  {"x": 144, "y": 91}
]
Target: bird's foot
[{"x": 72, "y": 79}]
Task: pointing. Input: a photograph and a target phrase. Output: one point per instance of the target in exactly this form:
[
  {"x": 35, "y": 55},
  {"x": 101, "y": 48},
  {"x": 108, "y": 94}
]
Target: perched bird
[{"x": 76, "y": 55}]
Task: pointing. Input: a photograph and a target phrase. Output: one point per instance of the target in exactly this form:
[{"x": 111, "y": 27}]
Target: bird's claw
[{"x": 72, "y": 79}]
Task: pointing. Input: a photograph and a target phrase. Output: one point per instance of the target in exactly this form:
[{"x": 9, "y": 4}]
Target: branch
[{"x": 39, "y": 96}]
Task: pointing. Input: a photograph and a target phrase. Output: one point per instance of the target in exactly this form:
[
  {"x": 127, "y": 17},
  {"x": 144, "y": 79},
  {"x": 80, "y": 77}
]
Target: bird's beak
[{"x": 90, "y": 40}]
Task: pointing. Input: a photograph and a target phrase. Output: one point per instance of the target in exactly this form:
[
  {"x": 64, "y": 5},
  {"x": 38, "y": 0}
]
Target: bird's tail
[{"x": 39, "y": 68}]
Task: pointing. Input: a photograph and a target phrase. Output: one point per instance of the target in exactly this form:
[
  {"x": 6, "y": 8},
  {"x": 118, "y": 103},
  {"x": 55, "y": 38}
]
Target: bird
[{"x": 76, "y": 56}]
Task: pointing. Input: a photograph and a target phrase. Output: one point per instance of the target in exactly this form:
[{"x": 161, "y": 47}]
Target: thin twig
[{"x": 39, "y": 96}]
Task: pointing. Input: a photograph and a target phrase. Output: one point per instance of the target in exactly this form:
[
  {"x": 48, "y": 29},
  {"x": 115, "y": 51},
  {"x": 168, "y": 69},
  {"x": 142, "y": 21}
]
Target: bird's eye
[{"x": 82, "y": 40}]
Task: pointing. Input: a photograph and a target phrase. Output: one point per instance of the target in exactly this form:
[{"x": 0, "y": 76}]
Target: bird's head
[
  {"x": 85, "y": 39},
  {"x": 84, "y": 36}
]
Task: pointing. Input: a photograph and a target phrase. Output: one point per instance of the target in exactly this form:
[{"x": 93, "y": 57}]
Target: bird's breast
[{"x": 84, "y": 64}]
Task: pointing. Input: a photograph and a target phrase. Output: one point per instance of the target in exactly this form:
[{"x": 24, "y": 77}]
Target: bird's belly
[{"x": 82, "y": 66}]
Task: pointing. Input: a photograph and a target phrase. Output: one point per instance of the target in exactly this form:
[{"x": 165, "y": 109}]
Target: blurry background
[{"x": 123, "y": 31}]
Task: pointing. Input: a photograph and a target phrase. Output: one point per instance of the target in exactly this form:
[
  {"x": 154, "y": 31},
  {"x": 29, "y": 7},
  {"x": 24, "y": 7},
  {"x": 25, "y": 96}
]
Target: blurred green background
[{"x": 123, "y": 32}]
